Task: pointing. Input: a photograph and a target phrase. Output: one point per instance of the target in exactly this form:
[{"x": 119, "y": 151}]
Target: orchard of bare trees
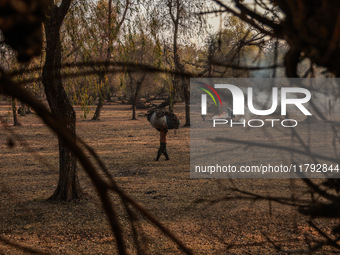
[{"x": 77, "y": 81}]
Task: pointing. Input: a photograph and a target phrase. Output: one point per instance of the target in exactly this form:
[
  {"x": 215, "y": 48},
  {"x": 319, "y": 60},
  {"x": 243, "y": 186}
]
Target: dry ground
[{"x": 128, "y": 149}]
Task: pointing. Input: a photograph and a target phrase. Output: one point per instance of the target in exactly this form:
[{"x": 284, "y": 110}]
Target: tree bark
[
  {"x": 135, "y": 98},
  {"x": 68, "y": 185},
  {"x": 178, "y": 66},
  {"x": 176, "y": 58},
  {"x": 96, "y": 115},
  {"x": 102, "y": 73},
  {"x": 15, "y": 113},
  {"x": 134, "y": 110},
  {"x": 175, "y": 20},
  {"x": 100, "y": 104},
  {"x": 186, "y": 93}
]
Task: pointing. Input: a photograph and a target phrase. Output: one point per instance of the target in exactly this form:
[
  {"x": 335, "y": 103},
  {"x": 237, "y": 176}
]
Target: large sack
[{"x": 159, "y": 118}]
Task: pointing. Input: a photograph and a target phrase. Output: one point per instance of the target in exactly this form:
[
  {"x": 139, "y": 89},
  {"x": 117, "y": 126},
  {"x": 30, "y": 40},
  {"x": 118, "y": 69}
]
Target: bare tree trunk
[
  {"x": 135, "y": 98},
  {"x": 68, "y": 185},
  {"x": 175, "y": 20},
  {"x": 177, "y": 62},
  {"x": 100, "y": 104},
  {"x": 186, "y": 93},
  {"x": 99, "y": 107},
  {"x": 15, "y": 113},
  {"x": 134, "y": 111}
]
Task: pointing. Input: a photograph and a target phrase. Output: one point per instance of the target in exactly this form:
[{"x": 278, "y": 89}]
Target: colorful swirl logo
[{"x": 209, "y": 93}]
